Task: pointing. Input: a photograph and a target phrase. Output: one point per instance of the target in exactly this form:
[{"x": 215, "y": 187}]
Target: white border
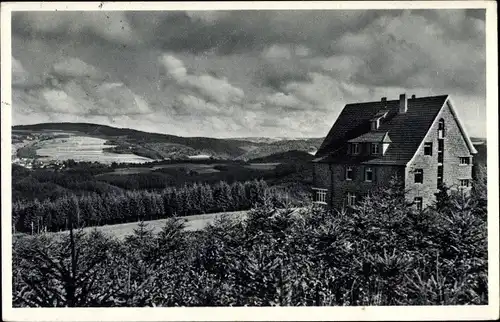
[{"x": 401, "y": 313}]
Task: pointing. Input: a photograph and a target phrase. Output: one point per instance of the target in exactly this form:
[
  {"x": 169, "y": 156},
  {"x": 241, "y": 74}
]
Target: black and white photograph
[{"x": 204, "y": 156}]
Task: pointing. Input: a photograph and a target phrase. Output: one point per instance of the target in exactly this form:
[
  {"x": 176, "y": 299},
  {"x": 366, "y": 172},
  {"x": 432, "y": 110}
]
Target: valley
[{"x": 49, "y": 142}]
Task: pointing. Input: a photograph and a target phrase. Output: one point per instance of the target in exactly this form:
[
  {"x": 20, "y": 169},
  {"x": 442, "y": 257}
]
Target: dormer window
[
  {"x": 371, "y": 143},
  {"x": 355, "y": 148}
]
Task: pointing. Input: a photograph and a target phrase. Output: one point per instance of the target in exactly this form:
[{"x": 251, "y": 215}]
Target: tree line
[
  {"x": 96, "y": 209},
  {"x": 382, "y": 251}
]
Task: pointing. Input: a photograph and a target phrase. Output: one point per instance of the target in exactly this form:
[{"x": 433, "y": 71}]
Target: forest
[
  {"x": 138, "y": 205},
  {"x": 380, "y": 252},
  {"x": 43, "y": 198}
]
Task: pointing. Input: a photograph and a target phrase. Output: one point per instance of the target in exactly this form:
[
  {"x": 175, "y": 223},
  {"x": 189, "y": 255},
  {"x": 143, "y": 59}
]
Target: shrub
[{"x": 380, "y": 252}]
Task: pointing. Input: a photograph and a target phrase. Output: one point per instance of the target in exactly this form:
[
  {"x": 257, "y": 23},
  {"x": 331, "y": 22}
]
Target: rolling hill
[
  {"x": 293, "y": 156},
  {"x": 164, "y": 146}
]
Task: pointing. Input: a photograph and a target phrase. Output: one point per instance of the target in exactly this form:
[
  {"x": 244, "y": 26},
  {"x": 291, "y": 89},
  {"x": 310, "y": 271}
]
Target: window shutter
[{"x": 374, "y": 174}]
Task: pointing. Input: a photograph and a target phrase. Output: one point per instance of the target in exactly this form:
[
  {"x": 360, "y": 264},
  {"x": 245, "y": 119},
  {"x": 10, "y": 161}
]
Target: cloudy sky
[{"x": 241, "y": 73}]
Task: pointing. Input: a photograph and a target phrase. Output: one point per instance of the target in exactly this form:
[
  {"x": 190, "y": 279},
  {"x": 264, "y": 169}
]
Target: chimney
[
  {"x": 413, "y": 97},
  {"x": 403, "y": 104},
  {"x": 384, "y": 99}
]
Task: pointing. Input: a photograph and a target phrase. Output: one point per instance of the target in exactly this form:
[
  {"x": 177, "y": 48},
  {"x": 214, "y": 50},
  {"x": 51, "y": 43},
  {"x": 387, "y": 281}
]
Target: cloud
[
  {"x": 277, "y": 52},
  {"x": 223, "y": 32},
  {"x": 19, "y": 74},
  {"x": 266, "y": 72},
  {"x": 76, "y": 88},
  {"x": 301, "y": 50},
  {"x": 283, "y": 100},
  {"x": 208, "y": 17},
  {"x": 21, "y": 78},
  {"x": 285, "y": 51},
  {"x": 395, "y": 53},
  {"x": 174, "y": 67},
  {"x": 111, "y": 26},
  {"x": 74, "y": 67},
  {"x": 190, "y": 104},
  {"x": 213, "y": 88}
]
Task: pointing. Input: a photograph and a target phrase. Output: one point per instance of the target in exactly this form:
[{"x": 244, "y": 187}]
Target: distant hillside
[
  {"x": 257, "y": 139},
  {"x": 157, "y": 146},
  {"x": 293, "y": 156},
  {"x": 477, "y": 139},
  {"x": 218, "y": 147},
  {"x": 263, "y": 150}
]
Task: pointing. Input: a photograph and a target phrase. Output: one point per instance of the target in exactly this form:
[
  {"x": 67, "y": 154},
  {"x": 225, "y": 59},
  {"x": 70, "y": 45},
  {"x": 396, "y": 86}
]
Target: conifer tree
[
  {"x": 443, "y": 200},
  {"x": 207, "y": 198}
]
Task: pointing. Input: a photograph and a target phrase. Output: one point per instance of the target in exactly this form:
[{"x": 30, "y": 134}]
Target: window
[
  {"x": 441, "y": 129},
  {"x": 348, "y": 173},
  {"x": 418, "y": 203},
  {"x": 419, "y": 176},
  {"x": 440, "y": 157},
  {"x": 351, "y": 199},
  {"x": 375, "y": 148},
  {"x": 368, "y": 174},
  {"x": 428, "y": 148},
  {"x": 355, "y": 148},
  {"x": 440, "y": 145},
  {"x": 440, "y": 176},
  {"x": 464, "y": 160},
  {"x": 375, "y": 124},
  {"x": 464, "y": 183},
  {"x": 320, "y": 195},
  {"x": 440, "y": 150}
]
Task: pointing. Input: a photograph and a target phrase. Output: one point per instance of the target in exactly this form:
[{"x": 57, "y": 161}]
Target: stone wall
[
  {"x": 382, "y": 174},
  {"x": 322, "y": 179},
  {"x": 454, "y": 148}
]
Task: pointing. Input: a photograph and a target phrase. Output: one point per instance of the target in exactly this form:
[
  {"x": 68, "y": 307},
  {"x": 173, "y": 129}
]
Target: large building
[{"x": 421, "y": 140}]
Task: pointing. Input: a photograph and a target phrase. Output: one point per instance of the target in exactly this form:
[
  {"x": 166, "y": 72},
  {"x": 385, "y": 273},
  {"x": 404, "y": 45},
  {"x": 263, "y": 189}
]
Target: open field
[
  {"x": 263, "y": 166},
  {"x": 76, "y": 147},
  {"x": 193, "y": 223},
  {"x": 83, "y": 148},
  {"x": 198, "y": 167}
]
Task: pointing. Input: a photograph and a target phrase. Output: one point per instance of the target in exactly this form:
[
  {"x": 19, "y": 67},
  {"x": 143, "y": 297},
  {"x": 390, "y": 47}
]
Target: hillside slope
[
  {"x": 217, "y": 147},
  {"x": 158, "y": 146},
  {"x": 293, "y": 156}
]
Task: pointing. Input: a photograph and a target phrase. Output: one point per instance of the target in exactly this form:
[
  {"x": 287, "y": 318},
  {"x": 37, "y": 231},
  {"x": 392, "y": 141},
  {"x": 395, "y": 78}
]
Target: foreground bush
[{"x": 381, "y": 252}]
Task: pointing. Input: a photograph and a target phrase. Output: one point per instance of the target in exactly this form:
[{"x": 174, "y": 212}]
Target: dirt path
[{"x": 196, "y": 222}]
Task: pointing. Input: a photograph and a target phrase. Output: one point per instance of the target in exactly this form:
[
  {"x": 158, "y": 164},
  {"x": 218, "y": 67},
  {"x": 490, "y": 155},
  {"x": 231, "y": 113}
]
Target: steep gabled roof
[{"x": 406, "y": 130}]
